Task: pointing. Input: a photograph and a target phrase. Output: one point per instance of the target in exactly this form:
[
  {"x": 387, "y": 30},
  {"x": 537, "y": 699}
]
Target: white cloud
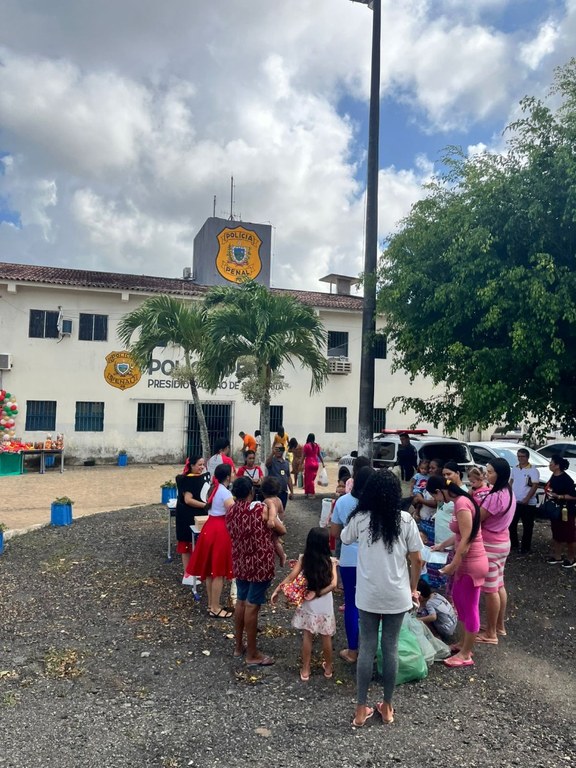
[
  {"x": 125, "y": 119},
  {"x": 542, "y": 45}
]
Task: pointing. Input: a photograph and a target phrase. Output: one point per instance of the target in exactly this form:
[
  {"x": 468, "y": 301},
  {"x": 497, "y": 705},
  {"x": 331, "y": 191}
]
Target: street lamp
[{"x": 366, "y": 406}]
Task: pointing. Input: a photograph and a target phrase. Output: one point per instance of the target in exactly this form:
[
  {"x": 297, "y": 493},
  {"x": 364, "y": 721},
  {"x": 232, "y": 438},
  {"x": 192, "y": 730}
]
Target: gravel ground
[{"x": 106, "y": 660}]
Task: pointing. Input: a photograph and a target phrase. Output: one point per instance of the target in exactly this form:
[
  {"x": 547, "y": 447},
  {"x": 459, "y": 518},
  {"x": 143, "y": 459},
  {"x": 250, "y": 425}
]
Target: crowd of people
[{"x": 378, "y": 545}]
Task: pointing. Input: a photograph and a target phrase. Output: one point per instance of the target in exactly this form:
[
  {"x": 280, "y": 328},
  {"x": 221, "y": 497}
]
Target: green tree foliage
[
  {"x": 270, "y": 328},
  {"x": 479, "y": 286},
  {"x": 166, "y": 321}
]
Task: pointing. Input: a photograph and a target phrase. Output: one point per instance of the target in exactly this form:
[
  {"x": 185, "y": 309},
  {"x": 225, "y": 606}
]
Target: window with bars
[
  {"x": 40, "y": 414},
  {"x": 337, "y": 343},
  {"x": 89, "y": 417},
  {"x": 276, "y": 417},
  {"x": 93, "y": 327},
  {"x": 335, "y": 420},
  {"x": 150, "y": 417},
  {"x": 43, "y": 324},
  {"x": 380, "y": 347},
  {"x": 379, "y": 419}
]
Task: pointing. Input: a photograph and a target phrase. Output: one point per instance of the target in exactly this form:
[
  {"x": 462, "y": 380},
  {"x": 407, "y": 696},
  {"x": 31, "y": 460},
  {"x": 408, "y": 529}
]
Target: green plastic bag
[{"x": 411, "y": 662}]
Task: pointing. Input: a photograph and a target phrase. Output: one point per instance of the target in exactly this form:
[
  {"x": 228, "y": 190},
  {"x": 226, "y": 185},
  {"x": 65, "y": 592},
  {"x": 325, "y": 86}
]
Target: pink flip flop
[
  {"x": 325, "y": 673},
  {"x": 369, "y": 714},
  {"x": 455, "y": 661},
  {"x": 486, "y": 640}
]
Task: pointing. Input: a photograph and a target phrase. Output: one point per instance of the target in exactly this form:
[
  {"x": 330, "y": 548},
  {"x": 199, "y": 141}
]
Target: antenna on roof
[
  {"x": 231, "y": 217},
  {"x": 214, "y": 208}
]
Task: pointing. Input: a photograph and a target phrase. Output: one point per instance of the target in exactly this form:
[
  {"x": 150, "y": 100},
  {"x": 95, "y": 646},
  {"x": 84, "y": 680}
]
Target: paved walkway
[{"x": 25, "y": 499}]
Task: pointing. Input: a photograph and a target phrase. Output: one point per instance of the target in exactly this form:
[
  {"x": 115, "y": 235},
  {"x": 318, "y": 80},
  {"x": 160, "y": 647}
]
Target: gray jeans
[{"x": 369, "y": 625}]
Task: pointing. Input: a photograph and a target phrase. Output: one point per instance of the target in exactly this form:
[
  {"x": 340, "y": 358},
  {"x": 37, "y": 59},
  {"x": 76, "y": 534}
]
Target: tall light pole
[{"x": 366, "y": 407}]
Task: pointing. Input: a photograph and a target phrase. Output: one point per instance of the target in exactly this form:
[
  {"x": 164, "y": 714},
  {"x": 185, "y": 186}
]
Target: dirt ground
[
  {"x": 107, "y": 661},
  {"x": 25, "y": 499}
]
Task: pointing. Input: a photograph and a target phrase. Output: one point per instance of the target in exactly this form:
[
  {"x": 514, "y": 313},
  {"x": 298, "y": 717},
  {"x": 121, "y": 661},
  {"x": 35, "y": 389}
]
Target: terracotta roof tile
[{"x": 83, "y": 278}]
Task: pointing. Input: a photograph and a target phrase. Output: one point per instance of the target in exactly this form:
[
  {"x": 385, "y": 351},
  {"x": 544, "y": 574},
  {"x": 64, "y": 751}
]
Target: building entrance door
[{"x": 219, "y": 423}]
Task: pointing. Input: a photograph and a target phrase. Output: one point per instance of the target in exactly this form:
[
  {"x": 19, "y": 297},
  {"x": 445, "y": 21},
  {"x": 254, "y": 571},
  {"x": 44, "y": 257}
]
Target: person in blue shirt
[{"x": 343, "y": 508}]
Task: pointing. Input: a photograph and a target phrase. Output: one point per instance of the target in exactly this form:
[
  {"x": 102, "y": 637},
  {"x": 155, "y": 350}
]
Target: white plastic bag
[
  {"x": 322, "y": 478},
  {"x": 325, "y": 514},
  {"x": 417, "y": 628}
]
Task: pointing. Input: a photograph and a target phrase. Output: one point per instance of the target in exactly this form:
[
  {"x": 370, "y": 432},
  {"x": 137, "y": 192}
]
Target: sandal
[
  {"x": 222, "y": 614},
  {"x": 324, "y": 665},
  {"x": 304, "y": 677},
  {"x": 487, "y": 640},
  {"x": 385, "y": 720},
  {"x": 458, "y": 661},
  {"x": 344, "y": 655},
  {"x": 369, "y": 714}
]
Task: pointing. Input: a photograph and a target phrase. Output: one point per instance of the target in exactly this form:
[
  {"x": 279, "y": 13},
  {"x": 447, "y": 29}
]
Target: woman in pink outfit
[
  {"x": 312, "y": 460},
  {"x": 469, "y": 566},
  {"x": 497, "y": 512}
]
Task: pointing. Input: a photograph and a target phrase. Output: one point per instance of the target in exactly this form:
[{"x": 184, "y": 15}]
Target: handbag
[
  {"x": 549, "y": 510},
  {"x": 295, "y": 590}
]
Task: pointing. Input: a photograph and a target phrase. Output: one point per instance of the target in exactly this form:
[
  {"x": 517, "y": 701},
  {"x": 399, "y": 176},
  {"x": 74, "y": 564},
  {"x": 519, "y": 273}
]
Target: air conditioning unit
[
  {"x": 5, "y": 361},
  {"x": 339, "y": 365},
  {"x": 66, "y": 328}
]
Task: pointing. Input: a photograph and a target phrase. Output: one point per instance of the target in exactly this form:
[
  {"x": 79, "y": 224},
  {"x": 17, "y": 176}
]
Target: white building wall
[{"x": 68, "y": 370}]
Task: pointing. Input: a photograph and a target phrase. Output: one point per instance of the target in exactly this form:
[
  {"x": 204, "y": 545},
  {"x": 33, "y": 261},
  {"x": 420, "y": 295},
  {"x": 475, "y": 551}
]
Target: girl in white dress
[{"x": 315, "y": 614}]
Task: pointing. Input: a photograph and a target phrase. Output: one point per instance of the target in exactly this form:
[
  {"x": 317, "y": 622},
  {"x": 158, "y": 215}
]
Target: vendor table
[{"x": 43, "y": 452}]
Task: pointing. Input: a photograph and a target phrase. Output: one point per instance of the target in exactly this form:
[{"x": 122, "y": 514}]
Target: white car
[
  {"x": 386, "y": 444},
  {"x": 482, "y": 453},
  {"x": 565, "y": 448}
]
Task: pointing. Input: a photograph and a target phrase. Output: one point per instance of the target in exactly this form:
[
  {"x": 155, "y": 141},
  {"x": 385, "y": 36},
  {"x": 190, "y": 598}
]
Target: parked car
[
  {"x": 482, "y": 453},
  {"x": 516, "y": 434},
  {"x": 566, "y": 449},
  {"x": 386, "y": 444}
]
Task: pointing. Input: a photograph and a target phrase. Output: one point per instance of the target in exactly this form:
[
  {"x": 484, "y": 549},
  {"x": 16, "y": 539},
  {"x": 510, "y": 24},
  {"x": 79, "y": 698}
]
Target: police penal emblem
[
  {"x": 238, "y": 257},
  {"x": 121, "y": 370}
]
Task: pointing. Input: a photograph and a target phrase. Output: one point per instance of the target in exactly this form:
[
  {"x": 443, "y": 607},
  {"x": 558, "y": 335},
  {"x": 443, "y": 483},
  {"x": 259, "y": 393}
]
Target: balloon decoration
[{"x": 8, "y": 411}]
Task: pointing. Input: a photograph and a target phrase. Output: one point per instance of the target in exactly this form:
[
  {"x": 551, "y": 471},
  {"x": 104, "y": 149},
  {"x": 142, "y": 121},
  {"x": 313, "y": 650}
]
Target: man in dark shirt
[
  {"x": 406, "y": 457},
  {"x": 279, "y": 468}
]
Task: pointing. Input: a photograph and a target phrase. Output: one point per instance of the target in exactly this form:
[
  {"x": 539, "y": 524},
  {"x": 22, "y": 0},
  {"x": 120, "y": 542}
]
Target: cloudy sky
[{"x": 120, "y": 120}]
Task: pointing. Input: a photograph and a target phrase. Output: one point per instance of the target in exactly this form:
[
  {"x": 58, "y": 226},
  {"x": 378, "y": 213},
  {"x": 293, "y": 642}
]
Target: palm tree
[
  {"x": 167, "y": 321},
  {"x": 272, "y": 329}
]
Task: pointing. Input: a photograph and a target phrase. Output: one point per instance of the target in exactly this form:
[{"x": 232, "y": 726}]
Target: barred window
[
  {"x": 379, "y": 419},
  {"x": 276, "y": 417},
  {"x": 335, "y": 420},
  {"x": 380, "y": 346},
  {"x": 40, "y": 414},
  {"x": 337, "y": 343},
  {"x": 43, "y": 324},
  {"x": 89, "y": 417},
  {"x": 150, "y": 417},
  {"x": 93, "y": 327}
]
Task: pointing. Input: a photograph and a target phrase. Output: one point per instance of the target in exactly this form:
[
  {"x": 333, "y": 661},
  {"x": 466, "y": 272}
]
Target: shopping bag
[
  {"x": 417, "y": 629},
  {"x": 300, "y": 480},
  {"x": 411, "y": 662},
  {"x": 549, "y": 510},
  {"x": 295, "y": 590},
  {"x": 432, "y": 647},
  {"x": 322, "y": 478}
]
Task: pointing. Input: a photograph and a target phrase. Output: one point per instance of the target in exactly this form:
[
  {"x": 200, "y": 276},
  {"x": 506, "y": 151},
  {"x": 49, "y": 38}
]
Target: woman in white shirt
[
  {"x": 212, "y": 556},
  {"x": 385, "y": 587}
]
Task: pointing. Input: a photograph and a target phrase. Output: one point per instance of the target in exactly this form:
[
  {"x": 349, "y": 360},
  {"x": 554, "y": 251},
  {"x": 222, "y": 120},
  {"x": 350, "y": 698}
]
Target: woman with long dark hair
[
  {"x": 193, "y": 485},
  {"x": 211, "y": 559},
  {"x": 561, "y": 488},
  {"x": 348, "y": 559},
  {"x": 312, "y": 460},
  {"x": 497, "y": 512},
  {"x": 469, "y": 566},
  {"x": 385, "y": 587}
]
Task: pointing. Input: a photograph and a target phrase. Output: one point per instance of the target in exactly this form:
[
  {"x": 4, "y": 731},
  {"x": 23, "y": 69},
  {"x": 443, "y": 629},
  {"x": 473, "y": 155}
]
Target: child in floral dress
[{"x": 315, "y": 615}]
